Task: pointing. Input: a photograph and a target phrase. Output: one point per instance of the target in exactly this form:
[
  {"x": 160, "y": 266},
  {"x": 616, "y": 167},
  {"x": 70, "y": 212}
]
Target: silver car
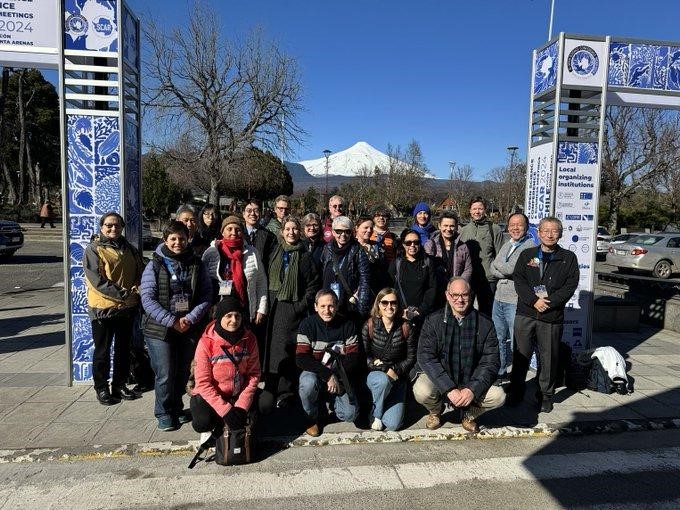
[{"x": 658, "y": 253}]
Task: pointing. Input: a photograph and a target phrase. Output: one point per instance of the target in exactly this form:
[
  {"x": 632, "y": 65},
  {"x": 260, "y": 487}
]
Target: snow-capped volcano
[{"x": 347, "y": 162}]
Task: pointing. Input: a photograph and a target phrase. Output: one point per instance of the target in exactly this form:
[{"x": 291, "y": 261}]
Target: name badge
[
  {"x": 335, "y": 287},
  {"x": 225, "y": 287},
  {"x": 541, "y": 291},
  {"x": 182, "y": 304}
]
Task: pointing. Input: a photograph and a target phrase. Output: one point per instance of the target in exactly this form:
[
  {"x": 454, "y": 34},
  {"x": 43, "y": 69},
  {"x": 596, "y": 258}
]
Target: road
[{"x": 622, "y": 471}]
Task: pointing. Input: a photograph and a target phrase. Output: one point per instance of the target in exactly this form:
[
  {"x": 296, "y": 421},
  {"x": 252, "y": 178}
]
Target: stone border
[{"x": 98, "y": 452}]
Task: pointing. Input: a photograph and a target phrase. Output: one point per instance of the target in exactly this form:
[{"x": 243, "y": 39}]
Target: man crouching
[
  {"x": 458, "y": 353},
  {"x": 327, "y": 352}
]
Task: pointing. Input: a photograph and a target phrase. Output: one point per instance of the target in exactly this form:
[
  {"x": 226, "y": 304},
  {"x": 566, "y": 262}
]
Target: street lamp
[
  {"x": 512, "y": 149},
  {"x": 326, "y": 154}
]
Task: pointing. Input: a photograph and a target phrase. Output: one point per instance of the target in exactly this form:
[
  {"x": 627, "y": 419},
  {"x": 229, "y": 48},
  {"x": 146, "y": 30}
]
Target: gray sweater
[{"x": 502, "y": 268}]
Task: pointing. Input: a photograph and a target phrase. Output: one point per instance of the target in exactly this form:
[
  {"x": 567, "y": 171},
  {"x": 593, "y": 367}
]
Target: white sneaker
[{"x": 377, "y": 424}]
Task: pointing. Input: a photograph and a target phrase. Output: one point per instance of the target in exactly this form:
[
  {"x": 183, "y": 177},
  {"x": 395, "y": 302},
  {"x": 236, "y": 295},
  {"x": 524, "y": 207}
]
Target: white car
[{"x": 603, "y": 239}]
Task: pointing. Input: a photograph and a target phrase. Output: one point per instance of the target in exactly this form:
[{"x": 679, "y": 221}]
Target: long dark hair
[
  {"x": 401, "y": 251},
  {"x": 209, "y": 233}
]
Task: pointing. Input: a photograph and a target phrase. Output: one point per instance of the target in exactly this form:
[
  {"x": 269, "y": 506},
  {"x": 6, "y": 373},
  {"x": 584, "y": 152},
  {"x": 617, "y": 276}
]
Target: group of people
[{"x": 336, "y": 313}]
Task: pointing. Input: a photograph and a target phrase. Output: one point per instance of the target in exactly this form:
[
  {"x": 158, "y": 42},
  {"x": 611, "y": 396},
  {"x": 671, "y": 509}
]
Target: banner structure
[
  {"x": 574, "y": 79},
  {"x": 95, "y": 46}
]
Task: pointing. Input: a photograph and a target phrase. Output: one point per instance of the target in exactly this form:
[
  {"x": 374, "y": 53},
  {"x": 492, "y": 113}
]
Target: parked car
[
  {"x": 11, "y": 238},
  {"x": 658, "y": 253},
  {"x": 603, "y": 239},
  {"x": 622, "y": 238}
]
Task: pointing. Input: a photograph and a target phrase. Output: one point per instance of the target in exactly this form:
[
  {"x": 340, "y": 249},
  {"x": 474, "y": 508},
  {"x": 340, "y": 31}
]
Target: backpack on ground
[
  {"x": 599, "y": 378},
  {"x": 234, "y": 447}
]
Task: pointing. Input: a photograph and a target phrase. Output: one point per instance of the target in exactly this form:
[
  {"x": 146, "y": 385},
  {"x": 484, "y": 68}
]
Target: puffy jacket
[
  {"x": 156, "y": 292},
  {"x": 479, "y": 362},
  {"x": 354, "y": 267},
  {"x": 462, "y": 263},
  {"x": 112, "y": 269},
  {"x": 560, "y": 278},
  {"x": 221, "y": 383},
  {"x": 255, "y": 273},
  {"x": 390, "y": 347}
]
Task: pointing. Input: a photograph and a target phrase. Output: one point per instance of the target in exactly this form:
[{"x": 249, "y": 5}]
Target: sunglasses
[
  {"x": 341, "y": 232},
  {"x": 387, "y": 302},
  {"x": 411, "y": 243}
]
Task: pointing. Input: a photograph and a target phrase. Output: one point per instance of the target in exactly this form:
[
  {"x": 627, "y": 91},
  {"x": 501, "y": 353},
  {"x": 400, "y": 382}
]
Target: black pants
[
  {"x": 44, "y": 220},
  {"x": 205, "y": 419},
  {"x": 103, "y": 333},
  {"x": 484, "y": 292},
  {"x": 546, "y": 336}
]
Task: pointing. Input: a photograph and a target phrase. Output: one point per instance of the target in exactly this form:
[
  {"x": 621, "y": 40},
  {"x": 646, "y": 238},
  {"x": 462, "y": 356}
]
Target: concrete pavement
[{"x": 42, "y": 417}]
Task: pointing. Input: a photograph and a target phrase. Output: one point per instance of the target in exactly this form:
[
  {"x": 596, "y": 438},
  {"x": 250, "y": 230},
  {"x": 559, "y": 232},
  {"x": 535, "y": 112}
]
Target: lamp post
[
  {"x": 512, "y": 149},
  {"x": 327, "y": 154}
]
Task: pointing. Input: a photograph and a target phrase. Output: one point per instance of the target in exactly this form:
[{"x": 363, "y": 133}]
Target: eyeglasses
[
  {"x": 283, "y": 208},
  {"x": 112, "y": 225},
  {"x": 251, "y": 211},
  {"x": 387, "y": 302},
  {"x": 553, "y": 232},
  {"x": 412, "y": 243},
  {"x": 343, "y": 232},
  {"x": 209, "y": 214},
  {"x": 464, "y": 296},
  {"x": 312, "y": 225}
]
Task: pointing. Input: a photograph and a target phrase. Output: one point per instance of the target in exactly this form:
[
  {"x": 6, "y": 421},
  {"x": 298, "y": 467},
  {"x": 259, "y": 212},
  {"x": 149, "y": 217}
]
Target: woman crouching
[{"x": 226, "y": 372}]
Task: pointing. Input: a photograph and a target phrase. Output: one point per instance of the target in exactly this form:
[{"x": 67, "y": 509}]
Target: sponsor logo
[
  {"x": 103, "y": 25},
  {"x": 577, "y": 331},
  {"x": 76, "y": 24},
  {"x": 565, "y": 205},
  {"x": 586, "y": 196},
  {"x": 583, "y": 62},
  {"x": 584, "y": 266},
  {"x": 574, "y": 238},
  {"x": 585, "y": 248},
  {"x": 588, "y": 217},
  {"x": 573, "y": 217},
  {"x": 572, "y": 247}
]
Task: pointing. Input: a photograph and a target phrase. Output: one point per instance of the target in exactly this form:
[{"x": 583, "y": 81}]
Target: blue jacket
[{"x": 356, "y": 271}]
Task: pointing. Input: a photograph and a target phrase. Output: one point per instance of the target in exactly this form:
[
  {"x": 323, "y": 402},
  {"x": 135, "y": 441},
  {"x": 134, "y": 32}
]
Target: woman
[
  {"x": 113, "y": 270},
  {"x": 293, "y": 282},
  {"x": 176, "y": 294},
  {"x": 345, "y": 270},
  {"x": 505, "y": 299},
  {"x": 209, "y": 223},
  {"x": 236, "y": 270},
  {"x": 421, "y": 222},
  {"x": 313, "y": 239},
  {"x": 226, "y": 372},
  {"x": 376, "y": 257},
  {"x": 414, "y": 278},
  {"x": 390, "y": 353}
]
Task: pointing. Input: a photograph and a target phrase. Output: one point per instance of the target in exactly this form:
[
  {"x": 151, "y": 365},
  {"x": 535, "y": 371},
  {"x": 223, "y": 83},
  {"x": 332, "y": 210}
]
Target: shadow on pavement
[
  {"x": 34, "y": 259},
  {"x": 13, "y": 327},
  {"x": 32, "y": 342}
]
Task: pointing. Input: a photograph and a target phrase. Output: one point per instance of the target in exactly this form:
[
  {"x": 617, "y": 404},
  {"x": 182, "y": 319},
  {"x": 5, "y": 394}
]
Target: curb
[{"x": 98, "y": 452}]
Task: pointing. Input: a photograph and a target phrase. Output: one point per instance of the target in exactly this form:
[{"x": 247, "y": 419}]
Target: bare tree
[
  {"x": 461, "y": 186},
  {"x": 641, "y": 145},
  {"x": 402, "y": 182},
  {"x": 223, "y": 96},
  {"x": 507, "y": 192}
]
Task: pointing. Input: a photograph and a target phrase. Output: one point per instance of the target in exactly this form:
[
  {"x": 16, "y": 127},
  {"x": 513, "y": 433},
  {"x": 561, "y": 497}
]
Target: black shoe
[
  {"x": 105, "y": 398},
  {"x": 546, "y": 405},
  {"x": 123, "y": 393},
  {"x": 183, "y": 417}
]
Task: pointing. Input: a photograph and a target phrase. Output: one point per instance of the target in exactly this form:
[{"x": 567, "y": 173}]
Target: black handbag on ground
[{"x": 234, "y": 447}]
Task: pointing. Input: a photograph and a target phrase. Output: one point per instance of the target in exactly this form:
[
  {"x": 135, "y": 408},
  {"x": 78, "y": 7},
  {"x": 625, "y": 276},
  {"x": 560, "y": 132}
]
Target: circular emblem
[
  {"x": 103, "y": 26},
  {"x": 583, "y": 61},
  {"x": 76, "y": 24}
]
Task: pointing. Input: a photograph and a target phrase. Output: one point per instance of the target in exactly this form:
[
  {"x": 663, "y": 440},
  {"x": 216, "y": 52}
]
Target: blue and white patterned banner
[
  {"x": 644, "y": 66},
  {"x": 91, "y": 25},
  {"x": 545, "y": 69}
]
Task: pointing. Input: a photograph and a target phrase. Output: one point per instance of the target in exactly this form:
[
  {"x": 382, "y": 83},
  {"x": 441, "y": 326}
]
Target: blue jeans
[
  {"x": 171, "y": 361},
  {"x": 389, "y": 399},
  {"x": 503, "y": 320},
  {"x": 309, "y": 390}
]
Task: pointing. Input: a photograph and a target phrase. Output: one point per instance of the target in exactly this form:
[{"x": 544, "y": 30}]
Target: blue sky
[{"x": 453, "y": 75}]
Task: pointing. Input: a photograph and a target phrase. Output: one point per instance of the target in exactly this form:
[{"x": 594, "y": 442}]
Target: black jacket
[
  {"x": 264, "y": 243},
  {"x": 391, "y": 347},
  {"x": 560, "y": 278},
  {"x": 415, "y": 283},
  {"x": 355, "y": 269},
  {"x": 479, "y": 371}
]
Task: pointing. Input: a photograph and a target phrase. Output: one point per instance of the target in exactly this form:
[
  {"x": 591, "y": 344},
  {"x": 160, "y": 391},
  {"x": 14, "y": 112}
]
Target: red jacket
[{"x": 218, "y": 380}]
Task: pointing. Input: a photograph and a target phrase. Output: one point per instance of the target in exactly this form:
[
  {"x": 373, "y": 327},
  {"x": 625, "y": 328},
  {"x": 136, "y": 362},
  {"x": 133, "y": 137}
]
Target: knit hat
[
  {"x": 342, "y": 222},
  {"x": 421, "y": 206},
  {"x": 229, "y": 220},
  {"x": 228, "y": 304}
]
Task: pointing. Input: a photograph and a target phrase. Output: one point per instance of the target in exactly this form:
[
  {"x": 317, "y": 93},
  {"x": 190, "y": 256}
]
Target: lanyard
[
  {"x": 171, "y": 270},
  {"x": 514, "y": 245}
]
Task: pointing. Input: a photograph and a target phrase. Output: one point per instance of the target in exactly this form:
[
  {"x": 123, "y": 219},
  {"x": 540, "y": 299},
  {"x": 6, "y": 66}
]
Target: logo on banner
[
  {"x": 583, "y": 61},
  {"x": 103, "y": 26},
  {"x": 76, "y": 24}
]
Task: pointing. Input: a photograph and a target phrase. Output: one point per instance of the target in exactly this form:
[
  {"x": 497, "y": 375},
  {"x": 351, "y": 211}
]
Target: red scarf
[{"x": 232, "y": 249}]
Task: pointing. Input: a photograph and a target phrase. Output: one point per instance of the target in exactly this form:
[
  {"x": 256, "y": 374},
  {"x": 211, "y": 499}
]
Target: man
[
  {"x": 336, "y": 207},
  {"x": 450, "y": 253},
  {"x": 187, "y": 215},
  {"x": 466, "y": 378},
  {"x": 483, "y": 239},
  {"x": 505, "y": 299},
  {"x": 321, "y": 372},
  {"x": 281, "y": 210},
  {"x": 545, "y": 279},
  {"x": 261, "y": 238},
  {"x": 382, "y": 236}
]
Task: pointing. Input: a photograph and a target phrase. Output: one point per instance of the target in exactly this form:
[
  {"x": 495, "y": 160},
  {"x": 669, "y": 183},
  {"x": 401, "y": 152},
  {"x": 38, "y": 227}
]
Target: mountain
[{"x": 345, "y": 163}]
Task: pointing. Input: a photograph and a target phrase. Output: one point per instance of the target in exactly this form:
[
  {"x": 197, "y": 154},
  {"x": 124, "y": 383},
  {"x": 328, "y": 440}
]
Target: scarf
[
  {"x": 232, "y": 249},
  {"x": 233, "y": 337},
  {"x": 283, "y": 277},
  {"x": 423, "y": 232}
]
